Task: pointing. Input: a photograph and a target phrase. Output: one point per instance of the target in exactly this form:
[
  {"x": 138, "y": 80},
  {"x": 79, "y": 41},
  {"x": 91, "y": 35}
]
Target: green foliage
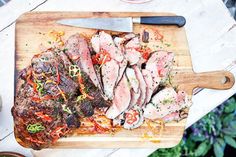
[
  {"x": 168, "y": 152},
  {"x": 218, "y": 150},
  {"x": 214, "y": 131}
]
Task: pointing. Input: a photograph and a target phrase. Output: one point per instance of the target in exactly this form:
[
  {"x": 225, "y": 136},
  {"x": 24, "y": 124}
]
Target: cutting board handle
[{"x": 214, "y": 80}]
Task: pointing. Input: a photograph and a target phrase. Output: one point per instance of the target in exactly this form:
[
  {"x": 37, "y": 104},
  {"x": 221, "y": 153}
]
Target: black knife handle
[{"x": 163, "y": 20}]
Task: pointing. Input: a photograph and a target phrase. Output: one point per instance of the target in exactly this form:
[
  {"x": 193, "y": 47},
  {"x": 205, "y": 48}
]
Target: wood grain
[{"x": 32, "y": 30}]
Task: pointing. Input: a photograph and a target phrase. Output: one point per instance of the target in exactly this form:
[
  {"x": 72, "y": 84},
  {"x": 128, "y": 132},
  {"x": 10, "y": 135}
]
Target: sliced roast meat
[
  {"x": 183, "y": 99},
  {"x": 171, "y": 117},
  {"x": 96, "y": 99},
  {"x": 67, "y": 84},
  {"x": 134, "y": 98},
  {"x": 104, "y": 41},
  {"x": 64, "y": 58},
  {"x": 119, "y": 120},
  {"x": 164, "y": 63},
  {"x": 73, "y": 45},
  {"x": 110, "y": 73},
  {"x": 131, "y": 54},
  {"x": 151, "y": 111},
  {"x": 95, "y": 42},
  {"x": 142, "y": 85},
  {"x": 165, "y": 102},
  {"x": 148, "y": 80},
  {"x": 159, "y": 64},
  {"x": 129, "y": 36},
  {"x": 86, "y": 104},
  {"x": 134, "y": 43},
  {"x": 122, "y": 69},
  {"x": 151, "y": 65},
  {"x": 133, "y": 81},
  {"x": 133, "y": 118},
  {"x": 98, "y": 71},
  {"x": 121, "y": 99},
  {"x": 44, "y": 63},
  {"x": 120, "y": 41},
  {"x": 78, "y": 51},
  {"x": 107, "y": 44}
]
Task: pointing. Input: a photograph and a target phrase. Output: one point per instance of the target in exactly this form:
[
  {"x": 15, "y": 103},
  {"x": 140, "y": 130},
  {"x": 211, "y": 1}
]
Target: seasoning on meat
[{"x": 93, "y": 86}]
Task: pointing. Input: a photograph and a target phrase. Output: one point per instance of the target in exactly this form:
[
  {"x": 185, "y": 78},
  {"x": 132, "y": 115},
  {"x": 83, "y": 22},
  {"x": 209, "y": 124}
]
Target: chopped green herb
[
  {"x": 168, "y": 45},
  {"x": 64, "y": 50},
  {"x": 80, "y": 98},
  {"x": 49, "y": 42},
  {"x": 61, "y": 100},
  {"x": 34, "y": 128},
  {"x": 66, "y": 109},
  {"x": 167, "y": 101},
  {"x": 74, "y": 70},
  {"x": 39, "y": 87}
]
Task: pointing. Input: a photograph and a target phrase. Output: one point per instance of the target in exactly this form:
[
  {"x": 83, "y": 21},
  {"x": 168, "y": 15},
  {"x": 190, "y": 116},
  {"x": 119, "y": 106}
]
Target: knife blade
[{"x": 122, "y": 24}]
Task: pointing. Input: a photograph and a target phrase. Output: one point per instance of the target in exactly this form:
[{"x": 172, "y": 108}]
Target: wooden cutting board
[{"x": 32, "y": 30}]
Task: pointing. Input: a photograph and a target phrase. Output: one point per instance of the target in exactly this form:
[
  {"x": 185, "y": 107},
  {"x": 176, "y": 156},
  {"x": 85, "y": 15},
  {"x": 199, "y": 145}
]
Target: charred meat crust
[{"x": 46, "y": 99}]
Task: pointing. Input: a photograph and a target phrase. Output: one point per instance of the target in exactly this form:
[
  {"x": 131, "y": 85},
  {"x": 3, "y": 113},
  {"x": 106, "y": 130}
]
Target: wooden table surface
[{"x": 211, "y": 41}]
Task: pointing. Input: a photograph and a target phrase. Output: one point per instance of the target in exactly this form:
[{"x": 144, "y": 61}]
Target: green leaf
[
  {"x": 221, "y": 142},
  {"x": 207, "y": 149},
  {"x": 231, "y": 106},
  {"x": 233, "y": 124},
  {"x": 230, "y": 141},
  {"x": 218, "y": 150},
  {"x": 190, "y": 144},
  {"x": 201, "y": 148},
  {"x": 228, "y": 119},
  {"x": 218, "y": 124},
  {"x": 167, "y": 152},
  {"x": 197, "y": 138},
  {"x": 229, "y": 131}
]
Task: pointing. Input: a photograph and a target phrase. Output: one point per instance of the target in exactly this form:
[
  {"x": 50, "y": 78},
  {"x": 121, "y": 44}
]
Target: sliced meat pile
[
  {"x": 119, "y": 75},
  {"x": 131, "y": 75},
  {"x": 165, "y": 103}
]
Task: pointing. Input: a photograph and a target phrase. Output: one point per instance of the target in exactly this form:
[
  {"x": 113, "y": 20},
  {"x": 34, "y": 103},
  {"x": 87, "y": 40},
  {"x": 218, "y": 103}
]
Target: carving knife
[{"x": 122, "y": 24}]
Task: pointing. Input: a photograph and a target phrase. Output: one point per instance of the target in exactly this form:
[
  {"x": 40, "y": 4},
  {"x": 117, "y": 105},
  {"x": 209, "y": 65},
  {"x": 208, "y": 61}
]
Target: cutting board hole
[{"x": 225, "y": 80}]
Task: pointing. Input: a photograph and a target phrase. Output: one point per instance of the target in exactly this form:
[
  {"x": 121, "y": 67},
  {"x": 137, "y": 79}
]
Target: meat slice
[
  {"x": 151, "y": 66},
  {"x": 95, "y": 41},
  {"x": 133, "y": 81},
  {"x": 142, "y": 85},
  {"x": 134, "y": 43},
  {"x": 134, "y": 98},
  {"x": 95, "y": 99},
  {"x": 110, "y": 73},
  {"x": 131, "y": 54},
  {"x": 120, "y": 41},
  {"x": 104, "y": 41},
  {"x": 171, "y": 117},
  {"x": 159, "y": 64},
  {"x": 149, "y": 88},
  {"x": 165, "y": 102},
  {"x": 107, "y": 43},
  {"x": 133, "y": 118},
  {"x": 78, "y": 51},
  {"x": 121, "y": 99},
  {"x": 122, "y": 66}
]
